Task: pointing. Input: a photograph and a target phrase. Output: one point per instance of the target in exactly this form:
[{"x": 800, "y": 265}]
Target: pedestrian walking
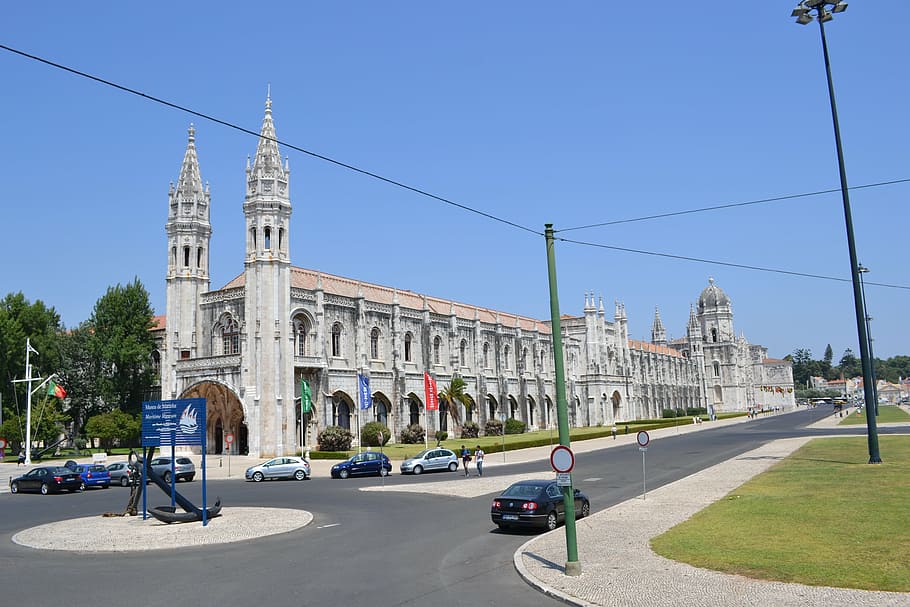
[
  {"x": 613, "y": 431},
  {"x": 465, "y": 459},
  {"x": 478, "y": 455},
  {"x": 21, "y": 460}
]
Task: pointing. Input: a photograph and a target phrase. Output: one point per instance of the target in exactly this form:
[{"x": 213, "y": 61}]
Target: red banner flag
[{"x": 429, "y": 386}]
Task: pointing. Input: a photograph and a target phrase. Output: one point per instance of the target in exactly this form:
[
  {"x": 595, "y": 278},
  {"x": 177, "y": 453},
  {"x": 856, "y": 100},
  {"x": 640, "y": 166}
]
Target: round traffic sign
[
  {"x": 2, "y": 443},
  {"x": 643, "y": 439},
  {"x": 562, "y": 459},
  {"x": 229, "y": 438}
]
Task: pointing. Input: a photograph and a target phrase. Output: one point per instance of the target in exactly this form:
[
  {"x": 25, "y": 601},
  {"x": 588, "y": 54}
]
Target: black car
[
  {"x": 47, "y": 479},
  {"x": 537, "y": 503}
]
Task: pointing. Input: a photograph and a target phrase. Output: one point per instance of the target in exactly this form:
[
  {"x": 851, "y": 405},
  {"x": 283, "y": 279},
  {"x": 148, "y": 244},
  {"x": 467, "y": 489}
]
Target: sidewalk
[{"x": 619, "y": 568}]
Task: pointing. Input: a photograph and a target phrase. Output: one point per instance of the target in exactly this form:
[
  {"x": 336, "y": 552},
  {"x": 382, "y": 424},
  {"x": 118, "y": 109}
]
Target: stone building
[{"x": 246, "y": 346}]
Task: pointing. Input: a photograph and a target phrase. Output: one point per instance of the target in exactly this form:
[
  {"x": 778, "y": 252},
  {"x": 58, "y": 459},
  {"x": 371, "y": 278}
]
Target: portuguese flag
[{"x": 55, "y": 389}]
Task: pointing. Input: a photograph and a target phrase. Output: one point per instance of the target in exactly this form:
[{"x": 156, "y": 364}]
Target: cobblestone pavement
[{"x": 619, "y": 568}]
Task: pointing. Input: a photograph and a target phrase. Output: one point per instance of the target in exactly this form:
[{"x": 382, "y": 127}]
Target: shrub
[
  {"x": 668, "y": 413},
  {"x": 441, "y": 436},
  {"x": 369, "y": 434},
  {"x": 412, "y": 435},
  {"x": 470, "y": 430},
  {"x": 493, "y": 427},
  {"x": 335, "y": 438},
  {"x": 515, "y": 426}
]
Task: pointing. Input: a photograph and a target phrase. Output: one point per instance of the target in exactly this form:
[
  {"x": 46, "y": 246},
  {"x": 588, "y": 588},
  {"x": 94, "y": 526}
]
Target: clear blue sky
[{"x": 533, "y": 112}]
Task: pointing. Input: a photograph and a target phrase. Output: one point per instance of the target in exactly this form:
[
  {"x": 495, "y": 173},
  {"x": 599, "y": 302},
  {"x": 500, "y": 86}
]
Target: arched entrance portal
[{"x": 223, "y": 415}]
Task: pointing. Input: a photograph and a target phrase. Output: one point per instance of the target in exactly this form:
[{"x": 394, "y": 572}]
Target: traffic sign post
[
  {"x": 229, "y": 439},
  {"x": 562, "y": 459},
  {"x": 643, "y": 439}
]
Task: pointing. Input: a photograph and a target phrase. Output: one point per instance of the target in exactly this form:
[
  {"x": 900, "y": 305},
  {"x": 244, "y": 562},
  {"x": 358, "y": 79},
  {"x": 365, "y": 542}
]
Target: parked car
[
  {"x": 536, "y": 503},
  {"x": 94, "y": 475},
  {"x": 279, "y": 467},
  {"x": 184, "y": 469},
  {"x": 431, "y": 459},
  {"x": 120, "y": 473},
  {"x": 47, "y": 479},
  {"x": 369, "y": 462}
]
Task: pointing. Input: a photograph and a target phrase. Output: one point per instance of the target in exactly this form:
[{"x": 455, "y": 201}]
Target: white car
[{"x": 280, "y": 467}]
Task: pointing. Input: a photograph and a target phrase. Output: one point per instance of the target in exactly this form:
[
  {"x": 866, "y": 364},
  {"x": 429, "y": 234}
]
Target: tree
[
  {"x": 828, "y": 360},
  {"x": 801, "y": 360},
  {"x": 80, "y": 373},
  {"x": 112, "y": 426},
  {"x": 850, "y": 365},
  {"x": 121, "y": 342},
  {"x": 21, "y": 320},
  {"x": 454, "y": 394}
]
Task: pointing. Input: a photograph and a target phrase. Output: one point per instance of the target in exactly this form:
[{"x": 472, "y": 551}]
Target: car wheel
[
  {"x": 585, "y": 509},
  {"x": 14, "y": 488},
  {"x": 300, "y": 475},
  {"x": 257, "y": 476},
  {"x": 453, "y": 466},
  {"x": 418, "y": 469},
  {"x": 167, "y": 477},
  {"x": 383, "y": 471},
  {"x": 124, "y": 481},
  {"x": 105, "y": 486},
  {"x": 44, "y": 489},
  {"x": 189, "y": 478},
  {"x": 343, "y": 474},
  {"x": 552, "y": 521}
]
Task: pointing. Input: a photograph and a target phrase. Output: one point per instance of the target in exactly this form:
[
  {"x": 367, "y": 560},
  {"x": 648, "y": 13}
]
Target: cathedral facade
[{"x": 247, "y": 346}]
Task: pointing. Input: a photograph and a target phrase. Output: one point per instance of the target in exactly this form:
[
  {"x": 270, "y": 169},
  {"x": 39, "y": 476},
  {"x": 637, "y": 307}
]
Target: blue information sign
[{"x": 173, "y": 422}]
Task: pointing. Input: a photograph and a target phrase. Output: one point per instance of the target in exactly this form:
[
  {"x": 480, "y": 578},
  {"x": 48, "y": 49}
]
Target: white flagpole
[{"x": 28, "y": 403}]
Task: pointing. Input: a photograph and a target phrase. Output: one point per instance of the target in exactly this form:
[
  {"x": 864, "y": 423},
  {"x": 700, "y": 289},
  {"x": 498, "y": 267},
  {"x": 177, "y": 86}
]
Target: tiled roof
[
  {"x": 158, "y": 323},
  {"x": 654, "y": 348},
  {"x": 302, "y": 278},
  {"x": 775, "y": 361}
]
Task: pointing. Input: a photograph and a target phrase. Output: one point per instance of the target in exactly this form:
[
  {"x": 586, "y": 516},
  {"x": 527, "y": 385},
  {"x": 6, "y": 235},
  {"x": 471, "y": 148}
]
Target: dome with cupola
[{"x": 712, "y": 297}]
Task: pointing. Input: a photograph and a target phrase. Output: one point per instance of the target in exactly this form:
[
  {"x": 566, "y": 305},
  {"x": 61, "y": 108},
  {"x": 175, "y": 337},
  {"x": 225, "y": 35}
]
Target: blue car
[
  {"x": 369, "y": 462},
  {"x": 94, "y": 475}
]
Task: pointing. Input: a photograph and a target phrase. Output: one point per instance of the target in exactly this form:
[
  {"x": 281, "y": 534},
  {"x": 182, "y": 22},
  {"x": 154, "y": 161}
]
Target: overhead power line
[{"x": 472, "y": 209}]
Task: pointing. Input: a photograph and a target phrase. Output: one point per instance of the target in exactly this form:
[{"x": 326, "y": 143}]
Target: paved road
[{"x": 383, "y": 547}]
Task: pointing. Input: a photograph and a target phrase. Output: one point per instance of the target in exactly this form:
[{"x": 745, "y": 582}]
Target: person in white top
[{"x": 478, "y": 456}]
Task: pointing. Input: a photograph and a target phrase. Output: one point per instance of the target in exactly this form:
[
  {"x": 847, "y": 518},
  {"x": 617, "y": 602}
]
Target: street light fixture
[{"x": 805, "y": 12}]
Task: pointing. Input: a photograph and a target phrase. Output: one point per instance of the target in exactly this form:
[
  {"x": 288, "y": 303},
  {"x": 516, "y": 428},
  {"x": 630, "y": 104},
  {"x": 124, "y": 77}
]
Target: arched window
[
  {"x": 301, "y": 333},
  {"x": 336, "y": 339},
  {"x": 437, "y": 343},
  {"x": 230, "y": 336},
  {"x": 408, "y": 338},
  {"x": 267, "y": 233},
  {"x": 280, "y": 239},
  {"x": 374, "y": 343},
  {"x": 199, "y": 257},
  {"x": 714, "y": 335},
  {"x": 524, "y": 359},
  {"x": 174, "y": 256},
  {"x": 186, "y": 257},
  {"x": 506, "y": 357},
  {"x": 716, "y": 369},
  {"x": 253, "y": 238},
  {"x": 486, "y": 356},
  {"x": 461, "y": 352}
]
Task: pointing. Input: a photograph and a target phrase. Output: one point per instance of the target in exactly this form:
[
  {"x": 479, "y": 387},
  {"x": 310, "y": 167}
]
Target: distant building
[{"x": 246, "y": 346}]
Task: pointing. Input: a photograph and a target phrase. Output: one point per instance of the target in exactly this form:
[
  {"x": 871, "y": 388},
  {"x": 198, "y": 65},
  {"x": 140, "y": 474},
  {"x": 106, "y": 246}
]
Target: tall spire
[
  {"x": 190, "y": 179},
  {"x": 658, "y": 333}
]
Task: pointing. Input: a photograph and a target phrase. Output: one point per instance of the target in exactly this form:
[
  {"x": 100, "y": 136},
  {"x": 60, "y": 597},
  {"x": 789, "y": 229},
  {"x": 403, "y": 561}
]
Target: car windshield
[
  {"x": 523, "y": 490},
  {"x": 184, "y": 460},
  {"x": 61, "y": 470},
  {"x": 97, "y": 468},
  {"x": 421, "y": 455}
]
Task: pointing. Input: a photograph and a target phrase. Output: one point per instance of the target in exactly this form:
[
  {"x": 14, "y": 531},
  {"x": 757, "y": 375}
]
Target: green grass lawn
[
  {"x": 821, "y": 517},
  {"x": 886, "y": 414}
]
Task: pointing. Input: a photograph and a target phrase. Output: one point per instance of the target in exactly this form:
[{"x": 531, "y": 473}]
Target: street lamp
[
  {"x": 805, "y": 12},
  {"x": 862, "y": 270}
]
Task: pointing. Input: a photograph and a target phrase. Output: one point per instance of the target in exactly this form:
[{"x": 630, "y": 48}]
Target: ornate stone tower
[
  {"x": 658, "y": 333},
  {"x": 267, "y": 357},
  {"x": 715, "y": 316},
  {"x": 188, "y": 234}
]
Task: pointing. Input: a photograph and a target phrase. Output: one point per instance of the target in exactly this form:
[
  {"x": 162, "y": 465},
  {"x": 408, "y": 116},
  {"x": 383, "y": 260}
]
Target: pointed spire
[
  {"x": 190, "y": 180},
  {"x": 658, "y": 332},
  {"x": 601, "y": 307},
  {"x": 268, "y": 159}
]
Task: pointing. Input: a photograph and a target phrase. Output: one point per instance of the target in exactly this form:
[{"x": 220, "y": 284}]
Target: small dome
[{"x": 712, "y": 296}]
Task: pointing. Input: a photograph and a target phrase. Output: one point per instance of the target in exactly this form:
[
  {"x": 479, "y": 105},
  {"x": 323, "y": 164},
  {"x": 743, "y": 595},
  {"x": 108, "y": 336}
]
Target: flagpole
[{"x": 28, "y": 403}]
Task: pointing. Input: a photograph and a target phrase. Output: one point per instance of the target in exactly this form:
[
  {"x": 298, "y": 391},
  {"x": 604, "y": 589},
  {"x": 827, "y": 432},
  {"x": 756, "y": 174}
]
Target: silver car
[
  {"x": 184, "y": 468},
  {"x": 280, "y": 467},
  {"x": 120, "y": 473},
  {"x": 431, "y": 459}
]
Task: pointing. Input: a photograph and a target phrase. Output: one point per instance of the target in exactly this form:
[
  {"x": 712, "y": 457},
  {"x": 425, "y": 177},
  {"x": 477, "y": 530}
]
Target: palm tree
[{"x": 454, "y": 394}]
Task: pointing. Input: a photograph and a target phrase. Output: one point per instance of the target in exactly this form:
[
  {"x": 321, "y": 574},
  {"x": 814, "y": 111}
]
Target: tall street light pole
[
  {"x": 862, "y": 270},
  {"x": 805, "y": 12}
]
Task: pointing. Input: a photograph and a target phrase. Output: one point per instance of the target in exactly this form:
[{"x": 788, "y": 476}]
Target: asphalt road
[{"x": 363, "y": 548}]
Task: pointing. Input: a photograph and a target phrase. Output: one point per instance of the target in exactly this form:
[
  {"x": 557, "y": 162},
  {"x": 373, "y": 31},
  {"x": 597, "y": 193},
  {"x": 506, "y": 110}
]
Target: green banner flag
[{"x": 306, "y": 399}]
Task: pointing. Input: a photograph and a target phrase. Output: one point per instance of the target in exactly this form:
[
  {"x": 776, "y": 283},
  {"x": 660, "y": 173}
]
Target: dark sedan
[
  {"x": 369, "y": 462},
  {"x": 537, "y": 503},
  {"x": 47, "y": 479}
]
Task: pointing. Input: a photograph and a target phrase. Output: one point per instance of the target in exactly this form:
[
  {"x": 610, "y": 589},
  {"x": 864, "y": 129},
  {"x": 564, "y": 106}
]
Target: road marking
[
  {"x": 327, "y": 526},
  {"x": 592, "y": 479}
]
